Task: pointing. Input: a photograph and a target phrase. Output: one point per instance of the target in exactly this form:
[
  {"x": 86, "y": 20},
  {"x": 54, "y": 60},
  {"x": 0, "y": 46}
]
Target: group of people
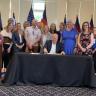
[{"x": 66, "y": 41}]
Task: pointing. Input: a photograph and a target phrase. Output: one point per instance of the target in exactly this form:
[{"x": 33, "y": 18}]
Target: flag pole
[
  {"x": 10, "y": 8},
  {"x": 31, "y": 2},
  {"x": 80, "y": 11},
  {"x": 66, "y": 8},
  {"x": 94, "y": 10},
  {"x": 19, "y": 12}
]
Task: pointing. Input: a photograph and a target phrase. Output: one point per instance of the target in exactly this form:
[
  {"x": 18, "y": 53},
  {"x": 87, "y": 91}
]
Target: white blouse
[{"x": 4, "y": 33}]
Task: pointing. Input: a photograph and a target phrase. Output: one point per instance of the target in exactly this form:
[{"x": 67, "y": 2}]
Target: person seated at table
[
  {"x": 53, "y": 46},
  {"x": 85, "y": 40},
  {"x": 18, "y": 39}
]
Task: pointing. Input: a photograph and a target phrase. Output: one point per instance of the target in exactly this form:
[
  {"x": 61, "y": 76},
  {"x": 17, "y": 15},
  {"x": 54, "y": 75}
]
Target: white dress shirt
[
  {"x": 32, "y": 35},
  {"x": 4, "y": 33},
  {"x": 20, "y": 38},
  {"x": 53, "y": 49}
]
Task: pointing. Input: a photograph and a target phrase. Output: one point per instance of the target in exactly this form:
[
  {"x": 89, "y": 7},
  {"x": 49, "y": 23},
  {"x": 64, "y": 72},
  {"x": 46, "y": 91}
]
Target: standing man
[{"x": 32, "y": 37}]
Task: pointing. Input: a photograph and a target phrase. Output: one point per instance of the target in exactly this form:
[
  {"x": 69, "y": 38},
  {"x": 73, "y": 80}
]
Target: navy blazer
[
  {"x": 16, "y": 38},
  {"x": 48, "y": 45}
]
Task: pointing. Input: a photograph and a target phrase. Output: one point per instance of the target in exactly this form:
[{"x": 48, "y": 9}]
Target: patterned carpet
[{"x": 45, "y": 91}]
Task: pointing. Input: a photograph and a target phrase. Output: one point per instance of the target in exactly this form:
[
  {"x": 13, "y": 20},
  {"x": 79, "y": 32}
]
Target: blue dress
[
  {"x": 69, "y": 41},
  {"x": 94, "y": 45}
]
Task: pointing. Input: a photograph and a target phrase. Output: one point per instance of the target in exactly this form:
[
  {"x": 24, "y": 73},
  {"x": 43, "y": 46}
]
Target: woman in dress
[
  {"x": 69, "y": 36},
  {"x": 85, "y": 40}
]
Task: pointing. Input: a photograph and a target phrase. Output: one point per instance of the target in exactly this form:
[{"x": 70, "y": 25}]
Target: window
[{"x": 38, "y": 8}]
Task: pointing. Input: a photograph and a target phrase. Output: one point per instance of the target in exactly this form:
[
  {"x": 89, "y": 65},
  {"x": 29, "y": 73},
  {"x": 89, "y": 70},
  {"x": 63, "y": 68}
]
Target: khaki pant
[{"x": 35, "y": 49}]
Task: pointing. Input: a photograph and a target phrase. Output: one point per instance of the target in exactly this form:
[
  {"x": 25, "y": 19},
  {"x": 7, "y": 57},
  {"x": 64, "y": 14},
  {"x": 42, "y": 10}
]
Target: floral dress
[{"x": 84, "y": 41}]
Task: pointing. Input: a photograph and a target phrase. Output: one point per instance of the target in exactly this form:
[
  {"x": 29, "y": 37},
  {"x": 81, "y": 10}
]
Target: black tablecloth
[{"x": 49, "y": 69}]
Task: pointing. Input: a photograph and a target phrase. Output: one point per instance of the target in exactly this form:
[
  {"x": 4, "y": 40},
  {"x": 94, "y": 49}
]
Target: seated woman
[
  {"x": 85, "y": 40},
  {"x": 18, "y": 39}
]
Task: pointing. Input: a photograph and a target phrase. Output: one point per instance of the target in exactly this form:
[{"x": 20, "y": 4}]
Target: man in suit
[{"x": 53, "y": 46}]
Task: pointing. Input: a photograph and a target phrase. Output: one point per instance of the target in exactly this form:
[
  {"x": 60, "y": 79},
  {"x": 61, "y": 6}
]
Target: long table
[{"x": 49, "y": 69}]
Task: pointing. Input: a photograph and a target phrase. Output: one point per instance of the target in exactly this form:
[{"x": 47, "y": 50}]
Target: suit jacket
[
  {"x": 48, "y": 45},
  {"x": 16, "y": 38}
]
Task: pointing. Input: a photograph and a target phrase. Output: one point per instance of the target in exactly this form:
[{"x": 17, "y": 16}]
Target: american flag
[
  {"x": 30, "y": 16},
  {"x": 14, "y": 18}
]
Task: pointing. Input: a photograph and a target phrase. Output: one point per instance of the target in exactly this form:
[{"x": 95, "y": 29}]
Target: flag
[
  {"x": 77, "y": 24},
  {"x": 13, "y": 15},
  {"x": 1, "y": 27},
  {"x": 65, "y": 19},
  {"x": 14, "y": 18},
  {"x": 44, "y": 19},
  {"x": 91, "y": 24},
  {"x": 30, "y": 16}
]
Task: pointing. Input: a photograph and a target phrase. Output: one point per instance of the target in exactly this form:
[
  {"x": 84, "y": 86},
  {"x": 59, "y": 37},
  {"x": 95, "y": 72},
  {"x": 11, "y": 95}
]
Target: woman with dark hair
[
  {"x": 54, "y": 30},
  {"x": 85, "y": 40}
]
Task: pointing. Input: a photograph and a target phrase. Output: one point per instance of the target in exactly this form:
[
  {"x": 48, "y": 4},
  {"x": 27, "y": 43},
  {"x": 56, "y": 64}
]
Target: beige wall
[{"x": 56, "y": 10}]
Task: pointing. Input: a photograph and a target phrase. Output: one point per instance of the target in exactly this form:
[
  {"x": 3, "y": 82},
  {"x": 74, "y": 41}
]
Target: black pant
[
  {"x": 94, "y": 59},
  {"x": 6, "y": 55}
]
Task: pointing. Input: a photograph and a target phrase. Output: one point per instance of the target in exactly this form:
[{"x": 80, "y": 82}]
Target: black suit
[
  {"x": 16, "y": 40},
  {"x": 48, "y": 45}
]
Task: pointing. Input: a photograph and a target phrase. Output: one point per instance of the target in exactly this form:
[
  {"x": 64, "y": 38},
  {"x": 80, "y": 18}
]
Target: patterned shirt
[{"x": 32, "y": 35}]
